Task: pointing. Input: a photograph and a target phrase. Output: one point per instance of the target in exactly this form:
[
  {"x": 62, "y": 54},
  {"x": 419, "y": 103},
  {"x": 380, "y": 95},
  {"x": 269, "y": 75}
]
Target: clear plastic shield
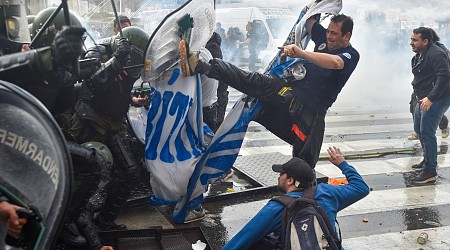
[{"x": 162, "y": 51}]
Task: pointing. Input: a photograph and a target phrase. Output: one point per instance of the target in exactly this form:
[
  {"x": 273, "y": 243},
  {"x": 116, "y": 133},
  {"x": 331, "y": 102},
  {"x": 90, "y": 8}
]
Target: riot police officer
[
  {"x": 101, "y": 110},
  {"x": 52, "y": 65},
  {"x": 90, "y": 158}
]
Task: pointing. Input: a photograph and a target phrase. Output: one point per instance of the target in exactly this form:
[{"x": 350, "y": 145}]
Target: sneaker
[
  {"x": 412, "y": 137},
  {"x": 188, "y": 60},
  {"x": 194, "y": 215},
  {"x": 419, "y": 165},
  {"x": 70, "y": 235},
  {"x": 444, "y": 133},
  {"x": 424, "y": 177}
]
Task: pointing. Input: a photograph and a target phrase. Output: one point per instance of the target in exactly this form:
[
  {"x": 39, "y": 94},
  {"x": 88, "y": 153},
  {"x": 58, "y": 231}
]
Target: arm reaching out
[
  {"x": 336, "y": 156},
  {"x": 356, "y": 188}
]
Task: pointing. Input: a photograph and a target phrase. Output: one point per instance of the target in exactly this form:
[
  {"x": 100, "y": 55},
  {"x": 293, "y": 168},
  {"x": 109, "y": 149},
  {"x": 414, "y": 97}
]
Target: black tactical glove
[
  {"x": 67, "y": 45},
  {"x": 123, "y": 51}
]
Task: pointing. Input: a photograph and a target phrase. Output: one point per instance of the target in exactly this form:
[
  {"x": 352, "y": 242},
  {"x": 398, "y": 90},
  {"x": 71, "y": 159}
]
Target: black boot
[
  {"x": 88, "y": 229},
  {"x": 108, "y": 224},
  {"x": 71, "y": 236}
]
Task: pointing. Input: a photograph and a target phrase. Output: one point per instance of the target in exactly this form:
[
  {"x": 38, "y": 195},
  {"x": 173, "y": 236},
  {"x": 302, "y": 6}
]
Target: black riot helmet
[
  {"x": 13, "y": 20},
  {"x": 139, "y": 40},
  {"x": 36, "y": 168},
  {"x": 57, "y": 24}
]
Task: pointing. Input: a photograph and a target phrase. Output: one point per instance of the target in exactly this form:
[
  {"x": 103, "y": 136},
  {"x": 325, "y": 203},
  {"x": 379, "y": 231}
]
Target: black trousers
[{"x": 298, "y": 126}]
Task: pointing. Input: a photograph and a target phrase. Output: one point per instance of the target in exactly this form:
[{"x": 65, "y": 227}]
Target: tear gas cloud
[{"x": 381, "y": 35}]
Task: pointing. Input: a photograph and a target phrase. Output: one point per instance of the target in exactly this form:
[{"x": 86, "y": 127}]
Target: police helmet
[
  {"x": 103, "y": 156},
  {"x": 102, "y": 150},
  {"x": 139, "y": 40},
  {"x": 13, "y": 20},
  {"x": 30, "y": 19},
  {"x": 57, "y": 24}
]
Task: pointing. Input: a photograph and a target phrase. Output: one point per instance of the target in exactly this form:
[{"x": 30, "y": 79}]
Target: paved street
[{"x": 374, "y": 140}]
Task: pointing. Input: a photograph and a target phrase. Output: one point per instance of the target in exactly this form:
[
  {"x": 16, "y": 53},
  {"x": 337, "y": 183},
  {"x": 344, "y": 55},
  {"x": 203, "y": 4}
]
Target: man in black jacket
[
  {"x": 443, "y": 124},
  {"x": 430, "y": 67}
]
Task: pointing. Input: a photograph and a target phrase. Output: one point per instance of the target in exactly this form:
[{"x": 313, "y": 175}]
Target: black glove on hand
[
  {"x": 67, "y": 45},
  {"x": 123, "y": 51}
]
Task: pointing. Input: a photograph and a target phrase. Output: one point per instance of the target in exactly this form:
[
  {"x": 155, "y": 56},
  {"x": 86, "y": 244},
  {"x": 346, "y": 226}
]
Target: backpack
[{"x": 305, "y": 225}]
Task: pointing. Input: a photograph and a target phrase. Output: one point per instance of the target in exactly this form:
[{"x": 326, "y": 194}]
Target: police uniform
[{"x": 100, "y": 115}]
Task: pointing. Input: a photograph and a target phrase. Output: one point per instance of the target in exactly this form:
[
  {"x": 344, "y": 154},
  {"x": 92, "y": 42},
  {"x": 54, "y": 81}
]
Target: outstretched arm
[{"x": 356, "y": 188}]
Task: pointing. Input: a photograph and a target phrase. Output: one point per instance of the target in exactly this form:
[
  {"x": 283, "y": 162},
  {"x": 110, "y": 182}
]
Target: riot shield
[
  {"x": 35, "y": 165},
  {"x": 162, "y": 50}
]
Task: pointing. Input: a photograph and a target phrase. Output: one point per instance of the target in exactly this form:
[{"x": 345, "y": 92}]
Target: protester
[
  {"x": 294, "y": 110},
  {"x": 232, "y": 51},
  {"x": 252, "y": 42},
  {"x": 214, "y": 93},
  {"x": 430, "y": 67},
  {"x": 219, "y": 30},
  {"x": 124, "y": 22},
  {"x": 443, "y": 124},
  {"x": 295, "y": 176}
]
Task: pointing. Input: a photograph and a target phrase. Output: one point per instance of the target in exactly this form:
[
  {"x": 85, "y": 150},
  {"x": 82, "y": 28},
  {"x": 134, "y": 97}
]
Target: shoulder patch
[
  {"x": 347, "y": 55},
  {"x": 322, "y": 46}
]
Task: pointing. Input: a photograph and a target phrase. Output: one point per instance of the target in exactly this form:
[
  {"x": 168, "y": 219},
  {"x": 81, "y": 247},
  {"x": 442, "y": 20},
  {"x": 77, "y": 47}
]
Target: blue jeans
[{"x": 425, "y": 125}]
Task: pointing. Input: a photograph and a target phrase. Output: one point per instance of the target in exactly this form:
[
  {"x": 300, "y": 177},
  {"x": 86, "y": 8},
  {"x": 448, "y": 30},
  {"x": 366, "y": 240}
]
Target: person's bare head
[
  {"x": 420, "y": 38},
  {"x": 249, "y": 26},
  {"x": 124, "y": 22},
  {"x": 339, "y": 32}
]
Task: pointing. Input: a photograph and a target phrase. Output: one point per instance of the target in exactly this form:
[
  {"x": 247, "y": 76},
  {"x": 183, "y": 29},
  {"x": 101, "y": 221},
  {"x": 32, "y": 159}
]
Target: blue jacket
[{"x": 331, "y": 198}]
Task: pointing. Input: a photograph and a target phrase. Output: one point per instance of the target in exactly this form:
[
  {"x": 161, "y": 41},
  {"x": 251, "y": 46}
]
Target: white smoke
[{"x": 381, "y": 35}]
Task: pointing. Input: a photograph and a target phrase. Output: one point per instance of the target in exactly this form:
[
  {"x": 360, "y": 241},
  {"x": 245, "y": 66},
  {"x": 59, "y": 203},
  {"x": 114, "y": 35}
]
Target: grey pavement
[{"x": 375, "y": 143}]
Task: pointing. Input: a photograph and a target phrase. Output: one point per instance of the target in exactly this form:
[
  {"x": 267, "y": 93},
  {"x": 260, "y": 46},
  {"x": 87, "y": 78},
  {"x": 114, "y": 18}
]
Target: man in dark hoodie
[{"x": 430, "y": 67}]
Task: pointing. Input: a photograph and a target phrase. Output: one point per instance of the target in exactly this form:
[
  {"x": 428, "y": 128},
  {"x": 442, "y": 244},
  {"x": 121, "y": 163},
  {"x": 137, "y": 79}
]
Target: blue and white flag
[{"x": 180, "y": 153}]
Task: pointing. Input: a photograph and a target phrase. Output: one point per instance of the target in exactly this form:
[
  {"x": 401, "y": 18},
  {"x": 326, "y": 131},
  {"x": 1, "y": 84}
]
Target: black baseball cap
[{"x": 299, "y": 170}]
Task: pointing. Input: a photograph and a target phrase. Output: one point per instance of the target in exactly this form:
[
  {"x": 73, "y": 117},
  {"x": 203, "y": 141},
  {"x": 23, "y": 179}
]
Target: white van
[{"x": 275, "y": 23}]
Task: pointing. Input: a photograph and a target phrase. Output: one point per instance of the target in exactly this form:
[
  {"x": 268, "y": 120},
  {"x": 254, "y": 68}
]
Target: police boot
[
  {"x": 71, "y": 236},
  {"x": 107, "y": 224},
  {"x": 88, "y": 229},
  {"x": 118, "y": 193}
]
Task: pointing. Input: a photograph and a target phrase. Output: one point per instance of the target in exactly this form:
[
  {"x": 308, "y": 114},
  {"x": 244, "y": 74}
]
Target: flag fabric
[{"x": 182, "y": 154}]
